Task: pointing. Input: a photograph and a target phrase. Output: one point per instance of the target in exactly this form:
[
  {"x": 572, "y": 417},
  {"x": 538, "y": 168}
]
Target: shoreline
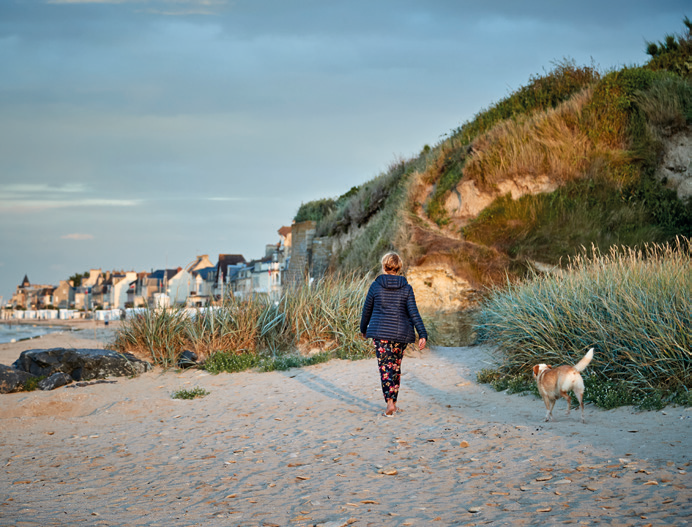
[
  {"x": 76, "y": 323},
  {"x": 69, "y": 334}
]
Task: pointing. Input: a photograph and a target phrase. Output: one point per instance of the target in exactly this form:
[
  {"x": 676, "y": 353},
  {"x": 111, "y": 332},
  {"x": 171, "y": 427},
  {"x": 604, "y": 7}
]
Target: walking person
[{"x": 389, "y": 316}]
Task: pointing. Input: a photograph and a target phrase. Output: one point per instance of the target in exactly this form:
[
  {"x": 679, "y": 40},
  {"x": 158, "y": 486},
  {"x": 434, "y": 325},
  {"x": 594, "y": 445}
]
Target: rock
[
  {"x": 55, "y": 381},
  {"x": 12, "y": 380},
  {"x": 80, "y": 364},
  {"x": 676, "y": 166},
  {"x": 187, "y": 359}
]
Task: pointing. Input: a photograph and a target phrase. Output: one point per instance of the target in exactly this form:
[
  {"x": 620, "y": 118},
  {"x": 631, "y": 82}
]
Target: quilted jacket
[{"x": 390, "y": 311}]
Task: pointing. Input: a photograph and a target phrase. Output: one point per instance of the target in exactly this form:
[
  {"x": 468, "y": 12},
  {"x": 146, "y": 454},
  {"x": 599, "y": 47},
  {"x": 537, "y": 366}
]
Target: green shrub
[
  {"x": 230, "y": 362},
  {"x": 31, "y": 384},
  {"x": 314, "y": 210},
  {"x": 190, "y": 393},
  {"x": 542, "y": 226},
  {"x": 674, "y": 53}
]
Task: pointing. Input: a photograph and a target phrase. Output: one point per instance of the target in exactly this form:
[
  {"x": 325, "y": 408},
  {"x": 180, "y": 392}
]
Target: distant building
[
  {"x": 179, "y": 286},
  {"x": 32, "y": 296},
  {"x": 203, "y": 285},
  {"x": 263, "y": 276},
  {"x": 90, "y": 286},
  {"x": 201, "y": 262},
  {"x": 63, "y": 295},
  {"x": 119, "y": 289},
  {"x": 156, "y": 282}
]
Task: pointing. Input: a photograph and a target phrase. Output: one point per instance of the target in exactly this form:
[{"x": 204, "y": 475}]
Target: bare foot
[{"x": 391, "y": 408}]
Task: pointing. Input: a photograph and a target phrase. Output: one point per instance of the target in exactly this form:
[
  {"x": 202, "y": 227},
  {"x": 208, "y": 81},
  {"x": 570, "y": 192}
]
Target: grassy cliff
[{"x": 596, "y": 136}]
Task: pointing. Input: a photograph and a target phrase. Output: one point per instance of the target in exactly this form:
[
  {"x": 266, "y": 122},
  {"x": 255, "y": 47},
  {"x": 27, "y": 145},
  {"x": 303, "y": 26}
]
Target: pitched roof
[
  {"x": 159, "y": 274},
  {"x": 204, "y": 273},
  {"x": 228, "y": 259},
  {"x": 201, "y": 261}
]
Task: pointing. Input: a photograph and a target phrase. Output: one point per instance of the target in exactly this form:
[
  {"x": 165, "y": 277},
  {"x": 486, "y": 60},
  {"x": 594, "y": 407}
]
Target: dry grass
[
  {"x": 322, "y": 317},
  {"x": 546, "y": 143},
  {"x": 633, "y": 305}
]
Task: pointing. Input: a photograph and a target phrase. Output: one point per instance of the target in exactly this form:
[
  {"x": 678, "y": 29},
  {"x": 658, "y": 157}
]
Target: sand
[{"x": 310, "y": 447}]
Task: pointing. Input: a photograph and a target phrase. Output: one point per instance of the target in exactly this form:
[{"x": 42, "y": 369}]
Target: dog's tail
[{"x": 582, "y": 364}]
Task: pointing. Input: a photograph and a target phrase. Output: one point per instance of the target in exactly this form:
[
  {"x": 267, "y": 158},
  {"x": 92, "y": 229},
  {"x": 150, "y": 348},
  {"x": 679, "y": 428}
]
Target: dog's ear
[{"x": 535, "y": 370}]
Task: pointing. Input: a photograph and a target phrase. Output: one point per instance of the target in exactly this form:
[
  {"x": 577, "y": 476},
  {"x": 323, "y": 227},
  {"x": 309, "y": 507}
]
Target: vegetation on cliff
[{"x": 599, "y": 136}]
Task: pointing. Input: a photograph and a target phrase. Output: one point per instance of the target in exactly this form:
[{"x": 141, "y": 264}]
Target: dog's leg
[
  {"x": 569, "y": 402},
  {"x": 579, "y": 392},
  {"x": 549, "y": 404},
  {"x": 580, "y": 396}
]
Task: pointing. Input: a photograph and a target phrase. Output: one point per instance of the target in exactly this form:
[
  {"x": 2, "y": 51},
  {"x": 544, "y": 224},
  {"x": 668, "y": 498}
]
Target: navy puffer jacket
[{"x": 390, "y": 311}]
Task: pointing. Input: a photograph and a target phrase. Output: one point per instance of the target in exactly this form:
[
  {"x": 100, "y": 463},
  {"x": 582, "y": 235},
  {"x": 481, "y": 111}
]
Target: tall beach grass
[
  {"x": 634, "y": 306},
  {"x": 319, "y": 320}
]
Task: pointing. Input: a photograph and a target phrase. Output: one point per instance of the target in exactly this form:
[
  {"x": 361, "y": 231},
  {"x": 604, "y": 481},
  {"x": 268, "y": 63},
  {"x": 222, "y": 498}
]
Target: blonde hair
[{"x": 391, "y": 263}]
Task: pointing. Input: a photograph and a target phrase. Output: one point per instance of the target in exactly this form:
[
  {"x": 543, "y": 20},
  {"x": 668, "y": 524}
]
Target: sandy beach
[{"x": 311, "y": 447}]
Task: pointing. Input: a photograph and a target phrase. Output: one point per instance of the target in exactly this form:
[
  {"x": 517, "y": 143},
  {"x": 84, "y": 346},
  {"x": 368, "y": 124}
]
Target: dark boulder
[
  {"x": 13, "y": 380},
  {"x": 55, "y": 381},
  {"x": 187, "y": 359},
  {"x": 80, "y": 364}
]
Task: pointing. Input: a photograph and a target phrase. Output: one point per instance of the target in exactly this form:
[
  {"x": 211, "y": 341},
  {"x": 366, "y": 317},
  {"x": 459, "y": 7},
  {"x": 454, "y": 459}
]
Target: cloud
[
  {"x": 163, "y": 7},
  {"x": 19, "y": 206},
  {"x": 77, "y": 236},
  {"x": 33, "y": 197},
  {"x": 23, "y": 189}
]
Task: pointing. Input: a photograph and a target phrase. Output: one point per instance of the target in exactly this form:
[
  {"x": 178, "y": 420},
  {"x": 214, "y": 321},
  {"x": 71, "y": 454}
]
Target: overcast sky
[{"x": 136, "y": 134}]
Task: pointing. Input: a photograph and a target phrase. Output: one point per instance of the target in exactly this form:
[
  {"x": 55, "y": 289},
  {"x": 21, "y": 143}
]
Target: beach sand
[{"x": 310, "y": 447}]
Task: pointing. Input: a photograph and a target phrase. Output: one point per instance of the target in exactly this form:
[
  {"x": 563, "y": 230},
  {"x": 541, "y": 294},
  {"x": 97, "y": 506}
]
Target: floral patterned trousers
[{"x": 389, "y": 355}]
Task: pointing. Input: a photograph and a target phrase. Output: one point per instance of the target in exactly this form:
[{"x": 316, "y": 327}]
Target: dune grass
[
  {"x": 633, "y": 305},
  {"x": 320, "y": 321}
]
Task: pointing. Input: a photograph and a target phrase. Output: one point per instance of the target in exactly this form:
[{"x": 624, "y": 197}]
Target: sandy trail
[{"x": 310, "y": 447}]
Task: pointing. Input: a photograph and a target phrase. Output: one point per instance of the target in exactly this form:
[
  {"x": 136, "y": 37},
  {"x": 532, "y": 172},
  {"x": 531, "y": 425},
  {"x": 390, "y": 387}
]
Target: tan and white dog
[{"x": 554, "y": 383}]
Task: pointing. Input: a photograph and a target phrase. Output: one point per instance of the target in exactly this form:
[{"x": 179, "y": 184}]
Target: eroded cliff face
[
  {"x": 438, "y": 285},
  {"x": 676, "y": 166},
  {"x": 437, "y": 288},
  {"x": 466, "y": 200}
]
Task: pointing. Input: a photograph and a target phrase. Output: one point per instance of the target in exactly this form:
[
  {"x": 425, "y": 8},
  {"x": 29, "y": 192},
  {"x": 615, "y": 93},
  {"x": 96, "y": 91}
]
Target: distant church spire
[{"x": 25, "y": 282}]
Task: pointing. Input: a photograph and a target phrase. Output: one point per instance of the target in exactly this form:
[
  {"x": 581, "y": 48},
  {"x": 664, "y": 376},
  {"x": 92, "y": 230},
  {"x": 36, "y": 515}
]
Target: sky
[{"x": 137, "y": 134}]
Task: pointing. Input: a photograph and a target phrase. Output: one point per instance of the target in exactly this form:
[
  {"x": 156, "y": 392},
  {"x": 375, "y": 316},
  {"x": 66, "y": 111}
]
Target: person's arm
[
  {"x": 413, "y": 313},
  {"x": 367, "y": 311}
]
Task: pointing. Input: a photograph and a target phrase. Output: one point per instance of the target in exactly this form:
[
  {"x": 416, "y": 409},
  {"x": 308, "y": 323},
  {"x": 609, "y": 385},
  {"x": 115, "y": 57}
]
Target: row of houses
[{"x": 200, "y": 283}]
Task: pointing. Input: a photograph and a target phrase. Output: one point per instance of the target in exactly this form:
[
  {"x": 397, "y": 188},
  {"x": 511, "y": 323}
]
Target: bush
[
  {"x": 314, "y": 210},
  {"x": 674, "y": 53},
  {"x": 190, "y": 394},
  {"x": 632, "y": 305}
]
